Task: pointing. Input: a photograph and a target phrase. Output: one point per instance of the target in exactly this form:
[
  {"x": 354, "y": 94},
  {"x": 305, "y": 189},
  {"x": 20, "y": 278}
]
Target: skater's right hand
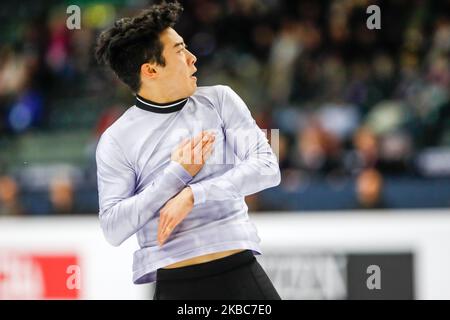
[{"x": 192, "y": 153}]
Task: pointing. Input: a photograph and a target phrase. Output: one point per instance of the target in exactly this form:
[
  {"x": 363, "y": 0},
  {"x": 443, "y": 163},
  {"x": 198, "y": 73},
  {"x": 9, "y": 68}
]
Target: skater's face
[{"x": 176, "y": 77}]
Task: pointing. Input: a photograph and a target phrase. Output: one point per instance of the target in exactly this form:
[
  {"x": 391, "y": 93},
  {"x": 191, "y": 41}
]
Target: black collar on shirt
[{"x": 160, "y": 107}]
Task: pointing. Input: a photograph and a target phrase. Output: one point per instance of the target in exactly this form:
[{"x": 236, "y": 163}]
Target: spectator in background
[
  {"x": 62, "y": 195},
  {"x": 107, "y": 118},
  {"x": 318, "y": 149},
  {"x": 253, "y": 203},
  {"x": 381, "y": 97},
  {"x": 366, "y": 149},
  {"x": 9, "y": 200},
  {"x": 285, "y": 49},
  {"x": 369, "y": 190},
  {"x": 284, "y": 159},
  {"x": 12, "y": 71}
]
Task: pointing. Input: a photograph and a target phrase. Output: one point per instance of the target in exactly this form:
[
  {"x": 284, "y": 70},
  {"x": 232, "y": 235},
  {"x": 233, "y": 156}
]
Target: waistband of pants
[{"x": 207, "y": 268}]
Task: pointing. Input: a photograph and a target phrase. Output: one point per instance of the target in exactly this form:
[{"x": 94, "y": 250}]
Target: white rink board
[
  {"x": 425, "y": 233},
  {"x": 106, "y": 270}
]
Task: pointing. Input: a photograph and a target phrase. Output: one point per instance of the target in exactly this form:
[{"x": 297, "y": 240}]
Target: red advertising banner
[{"x": 38, "y": 276}]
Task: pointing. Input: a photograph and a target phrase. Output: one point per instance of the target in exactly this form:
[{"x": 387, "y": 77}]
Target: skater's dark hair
[{"x": 131, "y": 42}]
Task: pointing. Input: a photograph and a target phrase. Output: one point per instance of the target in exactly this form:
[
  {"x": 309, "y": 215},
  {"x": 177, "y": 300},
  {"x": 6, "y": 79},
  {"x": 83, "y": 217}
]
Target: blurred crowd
[{"x": 350, "y": 103}]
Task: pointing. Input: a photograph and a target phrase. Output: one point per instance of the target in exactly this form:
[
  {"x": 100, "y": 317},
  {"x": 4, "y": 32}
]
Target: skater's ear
[{"x": 149, "y": 71}]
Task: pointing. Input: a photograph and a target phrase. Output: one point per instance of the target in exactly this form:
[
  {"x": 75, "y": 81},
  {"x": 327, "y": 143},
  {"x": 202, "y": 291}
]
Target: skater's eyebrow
[{"x": 179, "y": 44}]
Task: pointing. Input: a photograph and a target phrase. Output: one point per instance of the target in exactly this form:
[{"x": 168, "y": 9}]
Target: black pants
[{"x": 238, "y": 276}]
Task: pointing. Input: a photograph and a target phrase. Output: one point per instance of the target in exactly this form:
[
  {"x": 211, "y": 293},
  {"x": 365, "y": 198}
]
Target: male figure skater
[{"x": 189, "y": 214}]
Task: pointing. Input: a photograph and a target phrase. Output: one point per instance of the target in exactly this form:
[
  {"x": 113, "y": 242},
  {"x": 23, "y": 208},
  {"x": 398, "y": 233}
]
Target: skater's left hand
[{"x": 173, "y": 212}]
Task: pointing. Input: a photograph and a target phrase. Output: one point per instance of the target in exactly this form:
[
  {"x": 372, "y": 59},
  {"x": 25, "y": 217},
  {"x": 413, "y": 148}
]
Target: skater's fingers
[{"x": 207, "y": 151}]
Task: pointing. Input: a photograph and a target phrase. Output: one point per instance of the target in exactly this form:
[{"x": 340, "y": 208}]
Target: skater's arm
[
  {"x": 258, "y": 168},
  {"x": 122, "y": 212}
]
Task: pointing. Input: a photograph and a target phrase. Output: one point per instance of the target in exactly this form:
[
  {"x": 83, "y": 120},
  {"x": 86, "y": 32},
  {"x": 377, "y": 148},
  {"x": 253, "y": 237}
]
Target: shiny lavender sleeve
[
  {"x": 258, "y": 168},
  {"x": 122, "y": 212}
]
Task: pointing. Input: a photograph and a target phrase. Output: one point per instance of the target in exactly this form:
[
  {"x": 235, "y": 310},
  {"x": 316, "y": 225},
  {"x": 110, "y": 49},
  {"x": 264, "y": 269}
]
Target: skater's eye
[{"x": 185, "y": 47}]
